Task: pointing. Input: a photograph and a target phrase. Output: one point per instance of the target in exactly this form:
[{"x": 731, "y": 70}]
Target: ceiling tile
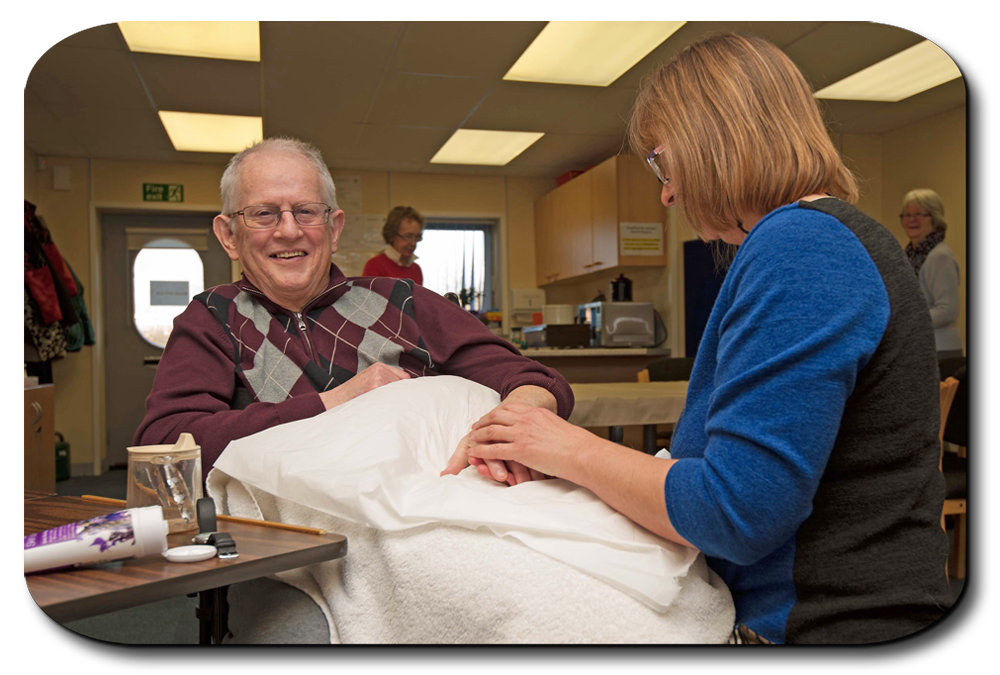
[
  {"x": 107, "y": 132},
  {"x": 311, "y": 47},
  {"x": 778, "y": 32},
  {"x": 469, "y": 48},
  {"x": 88, "y": 77},
  {"x": 427, "y": 100},
  {"x": 40, "y": 126},
  {"x": 573, "y": 150},
  {"x": 106, "y": 36},
  {"x": 529, "y": 106},
  {"x": 187, "y": 84},
  {"x": 857, "y": 45},
  {"x": 606, "y": 114},
  {"x": 340, "y": 99},
  {"x": 399, "y": 144},
  {"x": 879, "y": 119}
]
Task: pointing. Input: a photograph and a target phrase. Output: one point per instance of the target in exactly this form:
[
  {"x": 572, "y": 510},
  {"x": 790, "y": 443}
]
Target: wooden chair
[
  {"x": 663, "y": 370},
  {"x": 955, "y": 506}
]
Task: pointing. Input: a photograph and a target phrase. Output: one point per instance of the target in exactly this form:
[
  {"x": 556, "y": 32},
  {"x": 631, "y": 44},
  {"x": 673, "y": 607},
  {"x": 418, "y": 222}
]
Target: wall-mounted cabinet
[{"x": 608, "y": 217}]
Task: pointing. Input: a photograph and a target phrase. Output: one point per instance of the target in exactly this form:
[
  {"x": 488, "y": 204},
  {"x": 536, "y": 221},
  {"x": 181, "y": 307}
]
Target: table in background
[
  {"x": 607, "y": 404},
  {"x": 596, "y": 364},
  {"x": 79, "y": 593}
]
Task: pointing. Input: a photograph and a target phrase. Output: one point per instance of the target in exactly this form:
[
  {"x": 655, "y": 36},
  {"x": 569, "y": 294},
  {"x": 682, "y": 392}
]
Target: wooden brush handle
[{"x": 231, "y": 519}]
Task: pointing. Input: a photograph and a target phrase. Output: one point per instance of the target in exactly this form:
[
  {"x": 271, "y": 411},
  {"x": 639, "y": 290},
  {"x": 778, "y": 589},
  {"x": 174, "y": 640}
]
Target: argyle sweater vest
[{"x": 351, "y": 325}]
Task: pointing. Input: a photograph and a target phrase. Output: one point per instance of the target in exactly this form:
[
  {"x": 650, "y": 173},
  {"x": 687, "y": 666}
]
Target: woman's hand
[
  {"x": 512, "y": 473},
  {"x": 533, "y": 437}
]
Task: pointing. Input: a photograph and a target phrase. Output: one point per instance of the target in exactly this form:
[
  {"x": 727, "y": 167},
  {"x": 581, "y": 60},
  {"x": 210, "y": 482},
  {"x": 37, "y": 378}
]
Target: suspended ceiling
[{"x": 387, "y": 95}]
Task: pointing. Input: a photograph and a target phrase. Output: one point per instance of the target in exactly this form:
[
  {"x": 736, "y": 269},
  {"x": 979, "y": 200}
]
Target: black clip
[{"x": 224, "y": 544}]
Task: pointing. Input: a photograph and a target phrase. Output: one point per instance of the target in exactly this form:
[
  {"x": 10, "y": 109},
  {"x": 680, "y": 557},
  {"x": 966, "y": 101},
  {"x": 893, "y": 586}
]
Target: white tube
[{"x": 132, "y": 533}]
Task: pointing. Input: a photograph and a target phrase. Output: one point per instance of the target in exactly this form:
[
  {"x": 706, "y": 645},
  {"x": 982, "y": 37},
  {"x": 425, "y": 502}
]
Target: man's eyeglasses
[
  {"x": 651, "y": 160},
  {"x": 267, "y": 216},
  {"x": 904, "y": 216},
  {"x": 411, "y": 237}
]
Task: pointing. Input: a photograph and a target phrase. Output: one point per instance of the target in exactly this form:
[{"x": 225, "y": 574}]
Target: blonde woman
[
  {"x": 805, "y": 465},
  {"x": 922, "y": 219}
]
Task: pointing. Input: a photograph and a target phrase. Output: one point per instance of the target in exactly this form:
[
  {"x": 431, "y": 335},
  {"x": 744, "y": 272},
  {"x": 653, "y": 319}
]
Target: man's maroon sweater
[{"x": 236, "y": 363}]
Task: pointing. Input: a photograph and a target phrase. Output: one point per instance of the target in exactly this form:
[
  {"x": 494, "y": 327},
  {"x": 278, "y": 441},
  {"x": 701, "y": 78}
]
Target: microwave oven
[{"x": 619, "y": 324}]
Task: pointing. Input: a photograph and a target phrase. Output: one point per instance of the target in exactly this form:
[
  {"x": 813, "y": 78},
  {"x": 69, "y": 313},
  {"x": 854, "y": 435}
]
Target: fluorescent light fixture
[
  {"x": 487, "y": 148},
  {"x": 234, "y": 40},
  {"x": 918, "y": 68},
  {"x": 592, "y": 53},
  {"x": 200, "y": 132}
]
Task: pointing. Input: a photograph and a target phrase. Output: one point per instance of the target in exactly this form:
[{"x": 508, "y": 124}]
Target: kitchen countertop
[{"x": 533, "y": 352}]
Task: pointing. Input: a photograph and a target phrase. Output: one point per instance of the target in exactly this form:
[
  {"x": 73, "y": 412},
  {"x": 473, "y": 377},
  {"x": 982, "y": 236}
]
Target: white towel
[{"x": 439, "y": 584}]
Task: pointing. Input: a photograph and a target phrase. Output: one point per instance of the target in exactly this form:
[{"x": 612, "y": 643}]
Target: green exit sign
[{"x": 162, "y": 192}]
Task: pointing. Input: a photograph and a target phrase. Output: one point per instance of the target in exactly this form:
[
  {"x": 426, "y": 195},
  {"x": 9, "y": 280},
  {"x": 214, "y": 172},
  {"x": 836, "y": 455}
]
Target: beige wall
[
  {"x": 30, "y": 175},
  {"x": 98, "y": 184}
]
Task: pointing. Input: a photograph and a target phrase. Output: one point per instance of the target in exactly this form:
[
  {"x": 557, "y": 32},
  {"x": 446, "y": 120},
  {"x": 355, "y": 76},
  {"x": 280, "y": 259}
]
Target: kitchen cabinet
[
  {"x": 578, "y": 225},
  {"x": 39, "y": 439}
]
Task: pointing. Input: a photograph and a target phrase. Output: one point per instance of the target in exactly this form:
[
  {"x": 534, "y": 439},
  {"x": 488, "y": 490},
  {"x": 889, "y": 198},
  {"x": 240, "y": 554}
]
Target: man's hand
[
  {"x": 509, "y": 472},
  {"x": 372, "y": 377}
]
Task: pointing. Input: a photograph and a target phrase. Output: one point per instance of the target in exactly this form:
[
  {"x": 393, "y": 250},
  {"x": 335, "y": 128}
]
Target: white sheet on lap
[{"x": 375, "y": 461}]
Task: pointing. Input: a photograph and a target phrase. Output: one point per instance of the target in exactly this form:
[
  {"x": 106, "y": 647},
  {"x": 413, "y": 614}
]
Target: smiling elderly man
[{"x": 295, "y": 337}]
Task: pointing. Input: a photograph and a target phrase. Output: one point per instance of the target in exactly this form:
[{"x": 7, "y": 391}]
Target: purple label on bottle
[{"x": 110, "y": 530}]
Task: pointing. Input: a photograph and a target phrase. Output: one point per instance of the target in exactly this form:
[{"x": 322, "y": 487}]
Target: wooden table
[
  {"x": 629, "y": 403},
  {"x": 596, "y": 364},
  {"x": 79, "y": 593}
]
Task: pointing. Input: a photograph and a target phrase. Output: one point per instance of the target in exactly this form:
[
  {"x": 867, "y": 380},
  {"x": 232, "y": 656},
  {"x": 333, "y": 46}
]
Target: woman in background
[
  {"x": 402, "y": 231},
  {"x": 923, "y": 221},
  {"x": 805, "y": 465}
]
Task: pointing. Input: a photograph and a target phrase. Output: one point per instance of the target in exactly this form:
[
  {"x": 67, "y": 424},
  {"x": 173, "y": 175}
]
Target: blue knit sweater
[{"x": 808, "y": 445}]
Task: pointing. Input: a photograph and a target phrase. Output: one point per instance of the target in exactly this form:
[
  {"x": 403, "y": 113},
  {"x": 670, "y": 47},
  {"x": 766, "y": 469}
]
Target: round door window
[{"x": 164, "y": 281}]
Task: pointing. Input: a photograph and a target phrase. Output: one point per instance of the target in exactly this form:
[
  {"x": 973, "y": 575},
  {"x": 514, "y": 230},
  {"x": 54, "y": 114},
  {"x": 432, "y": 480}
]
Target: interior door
[{"x": 152, "y": 265}]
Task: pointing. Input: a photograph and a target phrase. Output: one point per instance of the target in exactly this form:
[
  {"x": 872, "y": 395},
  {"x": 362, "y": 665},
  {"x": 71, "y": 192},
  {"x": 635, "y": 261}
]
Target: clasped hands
[{"x": 520, "y": 440}]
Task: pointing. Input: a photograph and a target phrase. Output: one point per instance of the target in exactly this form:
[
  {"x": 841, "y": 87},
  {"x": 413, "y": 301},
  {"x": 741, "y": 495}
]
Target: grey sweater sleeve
[{"x": 939, "y": 277}]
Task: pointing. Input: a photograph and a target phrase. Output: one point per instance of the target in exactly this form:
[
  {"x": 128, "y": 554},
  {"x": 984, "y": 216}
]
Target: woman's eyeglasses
[
  {"x": 904, "y": 216},
  {"x": 411, "y": 237},
  {"x": 651, "y": 160}
]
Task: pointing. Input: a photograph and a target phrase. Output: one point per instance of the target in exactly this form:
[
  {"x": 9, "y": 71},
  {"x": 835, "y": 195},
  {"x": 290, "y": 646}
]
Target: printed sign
[
  {"x": 169, "y": 293},
  {"x": 640, "y": 239},
  {"x": 162, "y": 192}
]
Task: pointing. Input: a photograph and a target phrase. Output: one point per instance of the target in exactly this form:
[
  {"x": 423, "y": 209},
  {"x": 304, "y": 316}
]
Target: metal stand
[
  {"x": 213, "y": 615},
  {"x": 649, "y": 439}
]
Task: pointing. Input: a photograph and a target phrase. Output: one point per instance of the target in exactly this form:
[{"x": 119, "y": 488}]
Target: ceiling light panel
[
  {"x": 484, "y": 148},
  {"x": 200, "y": 132},
  {"x": 592, "y": 53},
  {"x": 234, "y": 40},
  {"x": 919, "y": 68}
]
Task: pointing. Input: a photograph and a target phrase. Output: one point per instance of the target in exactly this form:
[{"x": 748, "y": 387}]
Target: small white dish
[{"x": 189, "y": 554}]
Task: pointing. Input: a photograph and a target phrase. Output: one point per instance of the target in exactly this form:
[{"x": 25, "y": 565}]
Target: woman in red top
[{"x": 403, "y": 229}]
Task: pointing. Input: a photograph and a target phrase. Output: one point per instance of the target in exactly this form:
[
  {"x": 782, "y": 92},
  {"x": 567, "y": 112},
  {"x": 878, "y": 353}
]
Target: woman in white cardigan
[{"x": 923, "y": 221}]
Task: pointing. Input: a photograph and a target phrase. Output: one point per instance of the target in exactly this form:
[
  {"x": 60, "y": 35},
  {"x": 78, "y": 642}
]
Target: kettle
[{"x": 621, "y": 289}]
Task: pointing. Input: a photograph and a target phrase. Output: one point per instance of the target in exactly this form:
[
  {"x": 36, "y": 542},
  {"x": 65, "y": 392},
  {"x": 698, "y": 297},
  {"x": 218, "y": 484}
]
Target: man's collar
[
  {"x": 393, "y": 255},
  {"x": 337, "y": 278}
]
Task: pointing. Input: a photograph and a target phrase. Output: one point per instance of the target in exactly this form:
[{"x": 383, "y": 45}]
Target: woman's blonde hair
[
  {"x": 741, "y": 132},
  {"x": 930, "y": 202}
]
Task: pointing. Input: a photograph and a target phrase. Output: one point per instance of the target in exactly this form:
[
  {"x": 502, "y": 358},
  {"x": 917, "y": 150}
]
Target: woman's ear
[{"x": 225, "y": 235}]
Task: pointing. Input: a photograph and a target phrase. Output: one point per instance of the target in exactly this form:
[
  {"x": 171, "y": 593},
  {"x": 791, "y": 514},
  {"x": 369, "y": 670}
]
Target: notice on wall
[
  {"x": 640, "y": 239},
  {"x": 168, "y": 293},
  {"x": 162, "y": 192}
]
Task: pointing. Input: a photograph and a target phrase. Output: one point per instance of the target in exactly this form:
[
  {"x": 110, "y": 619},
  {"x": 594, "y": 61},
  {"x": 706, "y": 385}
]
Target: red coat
[{"x": 382, "y": 266}]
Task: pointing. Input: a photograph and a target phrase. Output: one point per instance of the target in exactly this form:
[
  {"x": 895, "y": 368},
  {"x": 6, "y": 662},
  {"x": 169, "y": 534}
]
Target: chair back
[
  {"x": 667, "y": 370},
  {"x": 956, "y": 429},
  {"x": 948, "y": 389}
]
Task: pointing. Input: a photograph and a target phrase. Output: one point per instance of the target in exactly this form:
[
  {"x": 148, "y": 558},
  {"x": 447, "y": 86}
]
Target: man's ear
[
  {"x": 226, "y": 237},
  {"x": 337, "y": 220}
]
